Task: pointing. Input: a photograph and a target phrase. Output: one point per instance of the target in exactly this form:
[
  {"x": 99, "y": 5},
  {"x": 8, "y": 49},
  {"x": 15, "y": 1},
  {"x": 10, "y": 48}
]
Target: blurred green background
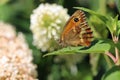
[{"x": 88, "y": 66}]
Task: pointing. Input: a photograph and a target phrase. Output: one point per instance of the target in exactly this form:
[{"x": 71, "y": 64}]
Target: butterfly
[{"x": 76, "y": 32}]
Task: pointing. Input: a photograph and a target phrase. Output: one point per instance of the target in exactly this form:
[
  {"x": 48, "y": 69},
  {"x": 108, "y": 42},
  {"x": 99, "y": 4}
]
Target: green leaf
[
  {"x": 100, "y": 46},
  {"x": 118, "y": 28},
  {"x": 112, "y": 74},
  {"x": 98, "y": 27},
  {"x": 110, "y": 24}
]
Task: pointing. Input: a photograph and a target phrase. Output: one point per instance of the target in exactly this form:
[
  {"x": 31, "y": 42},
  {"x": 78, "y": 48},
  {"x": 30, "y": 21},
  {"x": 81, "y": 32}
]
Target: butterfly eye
[{"x": 76, "y": 19}]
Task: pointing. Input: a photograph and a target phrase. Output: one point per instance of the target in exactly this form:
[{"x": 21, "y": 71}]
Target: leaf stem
[
  {"x": 111, "y": 56},
  {"x": 117, "y": 55}
]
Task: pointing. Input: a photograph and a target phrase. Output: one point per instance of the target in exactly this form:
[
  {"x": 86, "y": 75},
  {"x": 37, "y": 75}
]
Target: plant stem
[
  {"x": 117, "y": 56},
  {"x": 111, "y": 56}
]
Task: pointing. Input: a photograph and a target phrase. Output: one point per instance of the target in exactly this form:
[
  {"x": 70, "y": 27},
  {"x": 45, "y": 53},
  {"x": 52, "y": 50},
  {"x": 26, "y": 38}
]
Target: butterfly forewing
[{"x": 76, "y": 31}]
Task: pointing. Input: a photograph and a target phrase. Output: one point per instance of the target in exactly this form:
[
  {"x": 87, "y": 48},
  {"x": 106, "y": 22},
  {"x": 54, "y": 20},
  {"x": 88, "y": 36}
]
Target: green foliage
[
  {"x": 94, "y": 48},
  {"x": 2, "y": 2},
  {"x": 17, "y": 13},
  {"x": 118, "y": 28},
  {"x": 118, "y": 4},
  {"x": 112, "y": 74},
  {"x": 36, "y": 52},
  {"x": 6, "y": 12},
  {"x": 111, "y": 24},
  {"x": 101, "y": 46},
  {"x": 94, "y": 64}
]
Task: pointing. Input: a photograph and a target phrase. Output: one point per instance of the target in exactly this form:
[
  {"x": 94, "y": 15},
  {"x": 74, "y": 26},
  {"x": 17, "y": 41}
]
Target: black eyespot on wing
[{"x": 76, "y": 19}]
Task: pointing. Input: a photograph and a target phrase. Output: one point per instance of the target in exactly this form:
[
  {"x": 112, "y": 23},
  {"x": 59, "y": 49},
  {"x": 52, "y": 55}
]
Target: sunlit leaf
[
  {"x": 97, "y": 47},
  {"x": 2, "y": 2},
  {"x": 118, "y": 28},
  {"x": 112, "y": 74}
]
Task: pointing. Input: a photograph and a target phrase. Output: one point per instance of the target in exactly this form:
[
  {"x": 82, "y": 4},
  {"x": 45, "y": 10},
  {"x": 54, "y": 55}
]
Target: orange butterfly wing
[{"x": 76, "y": 31}]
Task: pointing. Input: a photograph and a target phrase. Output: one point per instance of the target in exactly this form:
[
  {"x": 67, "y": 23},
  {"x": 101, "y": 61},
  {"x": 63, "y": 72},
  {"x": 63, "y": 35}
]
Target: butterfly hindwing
[{"x": 76, "y": 31}]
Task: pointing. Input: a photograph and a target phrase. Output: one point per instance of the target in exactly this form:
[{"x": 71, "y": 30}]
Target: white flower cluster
[
  {"x": 47, "y": 21},
  {"x": 15, "y": 56}
]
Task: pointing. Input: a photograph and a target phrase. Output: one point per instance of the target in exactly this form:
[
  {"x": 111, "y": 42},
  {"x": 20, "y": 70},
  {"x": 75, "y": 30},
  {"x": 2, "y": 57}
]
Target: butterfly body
[{"x": 76, "y": 31}]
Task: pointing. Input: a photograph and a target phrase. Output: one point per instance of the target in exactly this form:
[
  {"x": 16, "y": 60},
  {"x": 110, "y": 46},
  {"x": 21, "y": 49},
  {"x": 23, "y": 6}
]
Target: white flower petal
[
  {"x": 46, "y": 23},
  {"x": 15, "y": 55}
]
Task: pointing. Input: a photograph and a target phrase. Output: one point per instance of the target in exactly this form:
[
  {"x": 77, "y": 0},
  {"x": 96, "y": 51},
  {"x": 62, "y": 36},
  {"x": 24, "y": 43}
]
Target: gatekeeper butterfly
[{"x": 76, "y": 31}]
